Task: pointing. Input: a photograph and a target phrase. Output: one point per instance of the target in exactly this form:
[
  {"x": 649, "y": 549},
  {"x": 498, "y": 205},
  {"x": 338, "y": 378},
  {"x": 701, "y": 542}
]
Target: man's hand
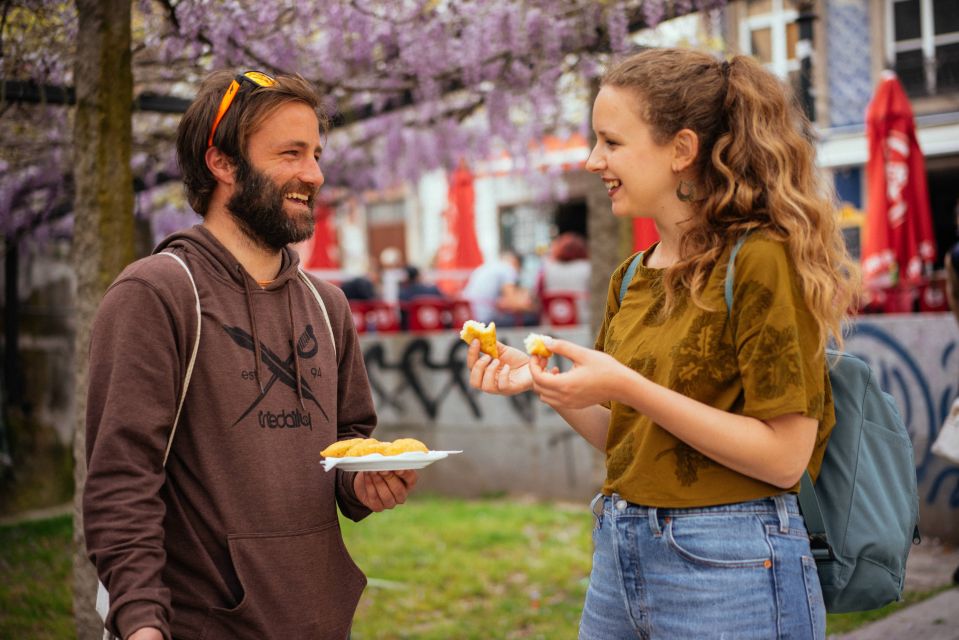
[
  {"x": 381, "y": 490},
  {"x": 146, "y": 633}
]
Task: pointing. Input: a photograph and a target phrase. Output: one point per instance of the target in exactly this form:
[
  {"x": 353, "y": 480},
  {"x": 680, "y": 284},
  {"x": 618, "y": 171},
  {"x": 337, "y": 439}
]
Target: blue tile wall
[{"x": 848, "y": 52}]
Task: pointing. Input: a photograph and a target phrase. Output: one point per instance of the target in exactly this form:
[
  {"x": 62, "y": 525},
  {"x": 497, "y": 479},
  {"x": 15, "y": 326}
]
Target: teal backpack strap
[
  {"x": 731, "y": 274},
  {"x": 628, "y": 276},
  {"x": 808, "y": 502},
  {"x": 812, "y": 514}
]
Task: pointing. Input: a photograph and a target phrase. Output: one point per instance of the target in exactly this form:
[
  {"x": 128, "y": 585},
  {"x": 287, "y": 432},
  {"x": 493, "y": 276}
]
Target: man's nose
[{"x": 312, "y": 174}]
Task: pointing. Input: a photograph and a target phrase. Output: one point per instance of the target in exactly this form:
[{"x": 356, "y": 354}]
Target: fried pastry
[
  {"x": 473, "y": 330},
  {"x": 338, "y": 449},
  {"x": 536, "y": 345},
  {"x": 405, "y": 445},
  {"x": 366, "y": 447}
]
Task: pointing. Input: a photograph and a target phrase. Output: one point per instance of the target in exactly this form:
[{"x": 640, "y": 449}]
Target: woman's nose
[{"x": 594, "y": 162}]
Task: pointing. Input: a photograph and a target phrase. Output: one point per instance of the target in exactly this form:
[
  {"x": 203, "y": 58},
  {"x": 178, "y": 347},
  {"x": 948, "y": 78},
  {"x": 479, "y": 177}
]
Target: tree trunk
[{"x": 103, "y": 230}]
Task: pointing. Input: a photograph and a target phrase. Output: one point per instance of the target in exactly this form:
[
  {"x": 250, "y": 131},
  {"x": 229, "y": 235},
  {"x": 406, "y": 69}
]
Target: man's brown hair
[{"x": 250, "y": 107}]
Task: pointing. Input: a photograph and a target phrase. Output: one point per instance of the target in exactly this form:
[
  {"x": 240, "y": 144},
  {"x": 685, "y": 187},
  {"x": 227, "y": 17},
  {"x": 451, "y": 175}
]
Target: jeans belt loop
[
  {"x": 783, "y": 512},
  {"x": 653, "y": 514},
  {"x": 596, "y": 506}
]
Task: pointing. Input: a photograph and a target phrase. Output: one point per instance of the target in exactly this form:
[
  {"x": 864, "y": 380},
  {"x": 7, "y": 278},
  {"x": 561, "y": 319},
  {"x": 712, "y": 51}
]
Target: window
[
  {"x": 770, "y": 33},
  {"x": 922, "y": 38}
]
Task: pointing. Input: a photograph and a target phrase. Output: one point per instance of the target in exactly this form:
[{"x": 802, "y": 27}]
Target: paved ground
[{"x": 930, "y": 565}]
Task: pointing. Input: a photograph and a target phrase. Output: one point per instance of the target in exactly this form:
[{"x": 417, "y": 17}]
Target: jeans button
[{"x": 620, "y": 505}]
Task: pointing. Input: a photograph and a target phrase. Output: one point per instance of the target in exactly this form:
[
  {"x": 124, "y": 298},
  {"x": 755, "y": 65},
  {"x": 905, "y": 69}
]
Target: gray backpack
[{"x": 862, "y": 512}]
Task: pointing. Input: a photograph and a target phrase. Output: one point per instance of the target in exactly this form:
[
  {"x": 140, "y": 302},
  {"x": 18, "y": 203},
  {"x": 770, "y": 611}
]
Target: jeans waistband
[{"x": 783, "y": 504}]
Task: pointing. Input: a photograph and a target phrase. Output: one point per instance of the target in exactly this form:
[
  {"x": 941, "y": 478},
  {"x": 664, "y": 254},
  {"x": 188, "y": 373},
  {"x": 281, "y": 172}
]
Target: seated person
[
  {"x": 413, "y": 288},
  {"x": 494, "y": 293}
]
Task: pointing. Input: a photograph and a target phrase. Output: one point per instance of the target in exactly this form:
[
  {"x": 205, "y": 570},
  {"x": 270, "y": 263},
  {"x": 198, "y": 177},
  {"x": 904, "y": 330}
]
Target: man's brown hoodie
[{"x": 237, "y": 536}]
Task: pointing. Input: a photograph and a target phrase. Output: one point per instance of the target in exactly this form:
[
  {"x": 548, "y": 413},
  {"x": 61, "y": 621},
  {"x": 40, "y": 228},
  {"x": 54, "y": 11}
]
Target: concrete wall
[{"x": 519, "y": 445}]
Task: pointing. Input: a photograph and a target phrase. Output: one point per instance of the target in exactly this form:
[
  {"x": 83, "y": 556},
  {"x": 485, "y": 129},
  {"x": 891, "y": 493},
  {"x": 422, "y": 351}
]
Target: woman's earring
[{"x": 686, "y": 191}]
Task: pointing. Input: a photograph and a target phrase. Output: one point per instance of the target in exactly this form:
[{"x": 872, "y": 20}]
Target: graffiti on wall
[
  {"x": 915, "y": 358},
  {"x": 917, "y": 385},
  {"x": 417, "y": 377}
]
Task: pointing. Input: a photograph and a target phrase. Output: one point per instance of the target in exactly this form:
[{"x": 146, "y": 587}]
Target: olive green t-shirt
[{"x": 769, "y": 366}]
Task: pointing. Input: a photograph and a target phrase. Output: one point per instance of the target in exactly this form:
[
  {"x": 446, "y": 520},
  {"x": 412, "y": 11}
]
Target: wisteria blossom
[{"x": 414, "y": 85}]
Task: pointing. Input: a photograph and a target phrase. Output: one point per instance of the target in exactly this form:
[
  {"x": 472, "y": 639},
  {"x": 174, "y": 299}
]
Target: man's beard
[{"x": 257, "y": 205}]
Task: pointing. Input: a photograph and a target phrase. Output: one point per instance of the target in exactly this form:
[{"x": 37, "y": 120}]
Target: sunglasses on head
[{"x": 252, "y": 78}]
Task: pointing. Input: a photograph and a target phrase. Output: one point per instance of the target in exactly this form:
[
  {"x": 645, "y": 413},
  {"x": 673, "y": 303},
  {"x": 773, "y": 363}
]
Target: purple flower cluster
[{"x": 439, "y": 82}]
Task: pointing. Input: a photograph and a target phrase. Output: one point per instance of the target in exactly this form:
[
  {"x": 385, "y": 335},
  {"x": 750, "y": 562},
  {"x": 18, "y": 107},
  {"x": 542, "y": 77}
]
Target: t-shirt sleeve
[{"x": 777, "y": 338}]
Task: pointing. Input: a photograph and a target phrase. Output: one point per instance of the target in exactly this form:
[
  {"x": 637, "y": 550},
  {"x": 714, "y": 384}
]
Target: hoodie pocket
[{"x": 300, "y": 584}]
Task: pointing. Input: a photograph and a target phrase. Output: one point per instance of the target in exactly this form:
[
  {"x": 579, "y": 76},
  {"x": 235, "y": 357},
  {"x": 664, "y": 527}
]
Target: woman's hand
[
  {"x": 506, "y": 375},
  {"x": 594, "y": 378}
]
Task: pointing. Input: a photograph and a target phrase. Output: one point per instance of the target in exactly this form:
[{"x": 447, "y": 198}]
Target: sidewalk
[{"x": 931, "y": 564}]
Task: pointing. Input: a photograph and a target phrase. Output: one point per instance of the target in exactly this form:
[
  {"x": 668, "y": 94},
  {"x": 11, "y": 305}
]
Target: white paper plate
[{"x": 378, "y": 462}]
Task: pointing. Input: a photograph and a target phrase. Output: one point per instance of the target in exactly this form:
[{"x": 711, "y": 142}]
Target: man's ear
[
  {"x": 221, "y": 166},
  {"x": 685, "y": 149}
]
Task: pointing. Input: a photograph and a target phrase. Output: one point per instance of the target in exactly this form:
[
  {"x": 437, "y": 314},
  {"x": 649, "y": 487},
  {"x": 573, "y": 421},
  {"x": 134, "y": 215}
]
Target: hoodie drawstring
[
  {"x": 256, "y": 338},
  {"x": 296, "y": 347}
]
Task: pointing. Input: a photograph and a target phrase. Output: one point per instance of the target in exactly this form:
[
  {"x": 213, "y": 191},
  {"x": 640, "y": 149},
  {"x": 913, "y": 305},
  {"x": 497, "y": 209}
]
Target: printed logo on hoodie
[{"x": 281, "y": 370}]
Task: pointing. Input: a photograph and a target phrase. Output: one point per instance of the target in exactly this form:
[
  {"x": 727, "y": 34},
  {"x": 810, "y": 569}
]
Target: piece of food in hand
[
  {"x": 473, "y": 330},
  {"x": 366, "y": 447},
  {"x": 536, "y": 345},
  {"x": 405, "y": 445},
  {"x": 338, "y": 449}
]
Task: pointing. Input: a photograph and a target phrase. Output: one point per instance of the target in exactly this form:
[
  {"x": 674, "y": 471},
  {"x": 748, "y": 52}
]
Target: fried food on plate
[
  {"x": 365, "y": 448},
  {"x": 536, "y": 345},
  {"x": 339, "y": 449},
  {"x": 405, "y": 445},
  {"x": 356, "y": 447},
  {"x": 473, "y": 330}
]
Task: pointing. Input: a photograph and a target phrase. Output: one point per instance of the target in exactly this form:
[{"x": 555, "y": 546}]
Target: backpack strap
[
  {"x": 319, "y": 301},
  {"x": 196, "y": 348},
  {"x": 103, "y": 596},
  {"x": 628, "y": 276},
  {"x": 808, "y": 502}
]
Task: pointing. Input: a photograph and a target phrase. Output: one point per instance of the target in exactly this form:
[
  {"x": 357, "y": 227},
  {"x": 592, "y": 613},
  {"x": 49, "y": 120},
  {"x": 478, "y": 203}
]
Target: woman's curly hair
[{"x": 755, "y": 171}]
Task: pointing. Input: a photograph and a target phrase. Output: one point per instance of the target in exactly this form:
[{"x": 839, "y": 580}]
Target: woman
[
  {"x": 708, "y": 417},
  {"x": 565, "y": 271}
]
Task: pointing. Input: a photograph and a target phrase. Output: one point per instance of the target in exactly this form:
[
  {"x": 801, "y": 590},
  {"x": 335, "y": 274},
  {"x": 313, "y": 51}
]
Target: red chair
[
  {"x": 932, "y": 295},
  {"x": 427, "y": 314},
  {"x": 374, "y": 316},
  {"x": 460, "y": 311},
  {"x": 559, "y": 309}
]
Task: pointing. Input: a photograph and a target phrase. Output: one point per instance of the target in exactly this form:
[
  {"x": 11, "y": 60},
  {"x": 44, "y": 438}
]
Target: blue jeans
[{"x": 736, "y": 571}]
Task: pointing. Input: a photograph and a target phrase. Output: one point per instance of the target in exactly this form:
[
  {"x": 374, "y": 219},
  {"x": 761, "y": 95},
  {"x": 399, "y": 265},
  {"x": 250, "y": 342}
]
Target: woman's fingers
[
  {"x": 489, "y": 376},
  {"x": 473, "y": 353},
  {"x": 478, "y": 370}
]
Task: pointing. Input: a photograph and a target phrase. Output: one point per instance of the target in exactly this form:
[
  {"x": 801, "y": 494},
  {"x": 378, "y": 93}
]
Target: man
[
  {"x": 494, "y": 293},
  {"x": 235, "y": 533}
]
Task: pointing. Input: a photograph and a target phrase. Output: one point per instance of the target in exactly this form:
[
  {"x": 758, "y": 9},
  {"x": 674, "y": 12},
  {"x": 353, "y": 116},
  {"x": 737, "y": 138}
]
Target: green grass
[
  {"x": 438, "y": 568},
  {"x": 36, "y": 598},
  {"x": 443, "y": 568}
]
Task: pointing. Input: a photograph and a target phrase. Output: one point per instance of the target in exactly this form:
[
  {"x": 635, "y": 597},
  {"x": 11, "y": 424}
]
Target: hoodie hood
[{"x": 198, "y": 240}]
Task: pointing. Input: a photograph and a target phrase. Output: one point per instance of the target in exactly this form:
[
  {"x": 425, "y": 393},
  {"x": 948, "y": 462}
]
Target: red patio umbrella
[
  {"x": 899, "y": 246},
  {"x": 325, "y": 251},
  {"x": 644, "y": 234},
  {"x": 459, "y": 249}
]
